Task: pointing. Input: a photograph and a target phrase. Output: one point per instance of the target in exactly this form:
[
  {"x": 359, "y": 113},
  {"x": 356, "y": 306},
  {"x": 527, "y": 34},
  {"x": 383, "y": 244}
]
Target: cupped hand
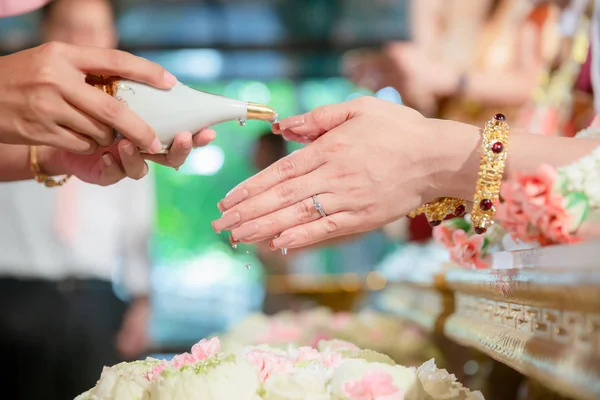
[
  {"x": 377, "y": 162},
  {"x": 46, "y": 101},
  {"x": 109, "y": 165}
]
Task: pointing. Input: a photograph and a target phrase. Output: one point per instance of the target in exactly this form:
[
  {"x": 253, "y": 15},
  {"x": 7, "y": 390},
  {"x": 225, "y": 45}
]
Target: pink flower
[
  {"x": 268, "y": 363},
  {"x": 318, "y": 337},
  {"x": 341, "y": 345},
  {"x": 533, "y": 211},
  {"x": 156, "y": 371},
  {"x": 328, "y": 359},
  {"x": 466, "y": 250},
  {"x": 374, "y": 385},
  {"x": 280, "y": 332},
  {"x": 443, "y": 235},
  {"x": 206, "y": 349},
  {"x": 181, "y": 360}
]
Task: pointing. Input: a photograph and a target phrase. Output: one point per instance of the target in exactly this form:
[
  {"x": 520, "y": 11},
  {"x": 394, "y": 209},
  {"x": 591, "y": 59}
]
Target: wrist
[
  {"x": 51, "y": 161},
  {"x": 456, "y": 153}
]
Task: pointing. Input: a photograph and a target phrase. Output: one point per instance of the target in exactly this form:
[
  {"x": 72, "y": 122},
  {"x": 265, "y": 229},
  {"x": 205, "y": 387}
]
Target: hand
[
  {"x": 377, "y": 162},
  {"x": 132, "y": 339},
  {"x": 45, "y": 100},
  {"x": 109, "y": 165}
]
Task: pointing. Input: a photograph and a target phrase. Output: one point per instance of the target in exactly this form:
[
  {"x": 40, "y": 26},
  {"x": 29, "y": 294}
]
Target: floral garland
[
  {"x": 466, "y": 248},
  {"x": 333, "y": 370},
  {"x": 549, "y": 207}
]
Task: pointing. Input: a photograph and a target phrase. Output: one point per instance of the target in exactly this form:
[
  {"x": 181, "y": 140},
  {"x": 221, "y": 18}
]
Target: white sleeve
[{"x": 137, "y": 224}]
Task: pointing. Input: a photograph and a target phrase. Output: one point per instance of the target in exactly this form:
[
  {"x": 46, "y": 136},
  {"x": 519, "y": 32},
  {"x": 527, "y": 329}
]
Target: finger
[
  {"x": 273, "y": 199},
  {"x": 87, "y": 126},
  {"x": 299, "y": 163},
  {"x": 133, "y": 163},
  {"x": 180, "y": 150},
  {"x": 120, "y": 63},
  {"x": 112, "y": 112},
  {"x": 65, "y": 138},
  {"x": 298, "y": 214},
  {"x": 110, "y": 171},
  {"x": 321, "y": 119},
  {"x": 339, "y": 224},
  {"x": 204, "y": 137}
]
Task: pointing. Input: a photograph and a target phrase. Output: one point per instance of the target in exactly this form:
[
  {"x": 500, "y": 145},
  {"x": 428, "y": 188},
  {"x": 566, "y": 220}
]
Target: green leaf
[{"x": 578, "y": 207}]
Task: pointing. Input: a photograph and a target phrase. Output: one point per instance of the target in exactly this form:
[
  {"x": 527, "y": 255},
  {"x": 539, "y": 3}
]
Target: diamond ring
[{"x": 318, "y": 206}]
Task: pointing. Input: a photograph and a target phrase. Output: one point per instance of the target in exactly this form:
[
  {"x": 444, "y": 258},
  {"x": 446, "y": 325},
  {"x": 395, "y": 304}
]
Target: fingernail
[
  {"x": 170, "y": 78},
  {"x": 128, "y": 149},
  {"x": 156, "y": 146},
  {"x": 244, "y": 231},
  {"x": 283, "y": 241},
  {"x": 233, "y": 198},
  {"x": 226, "y": 221},
  {"x": 234, "y": 243},
  {"x": 186, "y": 143},
  {"x": 292, "y": 122},
  {"x": 275, "y": 128},
  {"x": 107, "y": 160}
]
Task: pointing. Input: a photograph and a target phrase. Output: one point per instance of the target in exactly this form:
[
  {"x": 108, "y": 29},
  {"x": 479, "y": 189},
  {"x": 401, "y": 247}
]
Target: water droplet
[
  {"x": 242, "y": 122},
  {"x": 248, "y": 266},
  {"x": 234, "y": 245},
  {"x": 247, "y": 252},
  {"x": 284, "y": 251}
]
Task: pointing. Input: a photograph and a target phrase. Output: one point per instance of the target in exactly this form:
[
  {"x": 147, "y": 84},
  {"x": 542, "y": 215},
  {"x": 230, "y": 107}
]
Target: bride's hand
[{"x": 377, "y": 162}]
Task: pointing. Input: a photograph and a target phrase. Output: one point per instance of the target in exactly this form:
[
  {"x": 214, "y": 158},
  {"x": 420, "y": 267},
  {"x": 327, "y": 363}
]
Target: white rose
[
  {"x": 309, "y": 383},
  {"x": 123, "y": 381},
  {"x": 217, "y": 378},
  {"x": 353, "y": 370},
  {"x": 441, "y": 385}
]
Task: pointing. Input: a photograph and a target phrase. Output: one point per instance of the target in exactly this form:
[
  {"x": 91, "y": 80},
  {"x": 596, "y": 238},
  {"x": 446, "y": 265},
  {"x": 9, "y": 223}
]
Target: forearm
[
  {"x": 458, "y": 160},
  {"x": 14, "y": 162},
  {"x": 500, "y": 89}
]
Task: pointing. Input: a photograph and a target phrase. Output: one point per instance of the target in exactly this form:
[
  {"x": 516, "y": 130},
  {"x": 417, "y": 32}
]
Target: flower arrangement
[
  {"x": 333, "y": 370},
  {"x": 549, "y": 207},
  {"x": 366, "y": 329},
  {"x": 466, "y": 248}
]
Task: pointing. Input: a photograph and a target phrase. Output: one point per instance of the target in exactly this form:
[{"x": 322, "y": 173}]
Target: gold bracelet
[
  {"x": 441, "y": 209},
  {"x": 494, "y": 142},
  {"x": 37, "y": 171}
]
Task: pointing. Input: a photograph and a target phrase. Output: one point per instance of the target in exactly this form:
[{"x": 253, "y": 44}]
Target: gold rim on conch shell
[{"x": 108, "y": 84}]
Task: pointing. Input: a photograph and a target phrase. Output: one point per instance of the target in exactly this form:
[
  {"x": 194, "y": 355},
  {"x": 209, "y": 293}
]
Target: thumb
[{"x": 320, "y": 120}]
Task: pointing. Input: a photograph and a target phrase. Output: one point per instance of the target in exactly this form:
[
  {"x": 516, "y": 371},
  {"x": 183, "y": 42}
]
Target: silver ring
[{"x": 318, "y": 206}]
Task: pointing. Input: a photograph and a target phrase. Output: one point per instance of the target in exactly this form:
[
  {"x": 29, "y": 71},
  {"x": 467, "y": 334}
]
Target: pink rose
[
  {"x": 443, "y": 235},
  {"x": 181, "y": 360},
  {"x": 268, "y": 363},
  {"x": 341, "y": 320},
  {"x": 280, "y": 332},
  {"x": 466, "y": 250},
  {"x": 307, "y": 353},
  {"x": 375, "y": 384},
  {"x": 533, "y": 211},
  {"x": 318, "y": 337},
  {"x": 156, "y": 371},
  {"x": 206, "y": 349}
]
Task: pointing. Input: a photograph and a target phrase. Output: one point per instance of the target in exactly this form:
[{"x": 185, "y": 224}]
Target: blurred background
[{"x": 283, "y": 53}]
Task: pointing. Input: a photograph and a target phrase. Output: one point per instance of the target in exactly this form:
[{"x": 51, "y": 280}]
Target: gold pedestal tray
[{"x": 543, "y": 320}]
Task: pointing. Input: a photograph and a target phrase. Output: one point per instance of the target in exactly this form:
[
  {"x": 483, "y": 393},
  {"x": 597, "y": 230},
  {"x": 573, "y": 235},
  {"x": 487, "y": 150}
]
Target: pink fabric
[
  {"x": 8, "y": 8},
  {"x": 65, "y": 222}
]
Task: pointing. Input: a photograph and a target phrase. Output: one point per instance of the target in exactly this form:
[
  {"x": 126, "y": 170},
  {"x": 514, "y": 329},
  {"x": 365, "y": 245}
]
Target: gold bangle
[
  {"x": 37, "y": 171},
  {"x": 441, "y": 209},
  {"x": 494, "y": 142}
]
